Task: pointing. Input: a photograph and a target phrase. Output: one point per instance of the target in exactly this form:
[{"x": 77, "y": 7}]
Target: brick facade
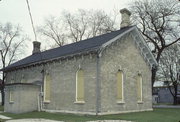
[{"x": 100, "y": 94}]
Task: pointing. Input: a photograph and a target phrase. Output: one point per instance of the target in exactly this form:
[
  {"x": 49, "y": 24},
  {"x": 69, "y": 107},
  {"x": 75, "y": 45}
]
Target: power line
[{"x": 31, "y": 20}]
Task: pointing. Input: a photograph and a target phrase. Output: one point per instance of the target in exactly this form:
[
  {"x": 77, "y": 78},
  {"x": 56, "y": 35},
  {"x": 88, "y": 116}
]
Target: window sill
[
  {"x": 11, "y": 102},
  {"x": 140, "y": 102},
  {"x": 46, "y": 102},
  {"x": 120, "y": 102},
  {"x": 79, "y": 102}
]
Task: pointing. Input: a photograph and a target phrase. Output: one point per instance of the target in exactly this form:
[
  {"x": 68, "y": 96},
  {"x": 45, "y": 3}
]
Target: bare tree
[
  {"x": 77, "y": 25},
  {"x": 101, "y": 23},
  {"x": 10, "y": 48},
  {"x": 73, "y": 27},
  {"x": 159, "y": 22},
  {"x": 53, "y": 30},
  {"x": 169, "y": 69},
  {"x": 88, "y": 23}
]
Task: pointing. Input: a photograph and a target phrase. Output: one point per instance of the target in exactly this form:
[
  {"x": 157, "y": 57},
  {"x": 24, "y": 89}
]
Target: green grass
[
  {"x": 1, "y": 108},
  {"x": 158, "y": 115},
  {"x": 52, "y": 116}
]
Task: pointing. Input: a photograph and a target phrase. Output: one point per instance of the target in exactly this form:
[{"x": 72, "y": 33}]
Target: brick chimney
[
  {"x": 36, "y": 47},
  {"x": 125, "y": 18}
]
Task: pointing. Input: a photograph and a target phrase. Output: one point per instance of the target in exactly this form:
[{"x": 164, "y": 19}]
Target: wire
[{"x": 31, "y": 20}]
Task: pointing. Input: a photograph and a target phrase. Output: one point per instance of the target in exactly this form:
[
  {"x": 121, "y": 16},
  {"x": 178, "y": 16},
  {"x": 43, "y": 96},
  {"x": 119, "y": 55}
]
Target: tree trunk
[
  {"x": 175, "y": 95},
  {"x": 175, "y": 100},
  {"x": 153, "y": 77},
  {"x": 2, "y": 89},
  {"x": 3, "y": 96},
  {"x": 154, "y": 69}
]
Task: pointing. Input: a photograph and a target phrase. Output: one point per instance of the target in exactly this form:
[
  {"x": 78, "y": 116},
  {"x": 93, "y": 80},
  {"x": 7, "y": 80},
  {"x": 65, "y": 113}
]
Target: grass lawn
[
  {"x": 1, "y": 108},
  {"x": 158, "y": 115}
]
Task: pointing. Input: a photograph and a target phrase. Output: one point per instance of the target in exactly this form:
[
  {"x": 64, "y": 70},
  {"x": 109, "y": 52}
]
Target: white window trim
[
  {"x": 10, "y": 98},
  {"x": 22, "y": 79},
  {"x": 44, "y": 91},
  {"x": 122, "y": 101},
  {"x": 78, "y": 101},
  {"x": 141, "y": 100},
  {"x": 12, "y": 81}
]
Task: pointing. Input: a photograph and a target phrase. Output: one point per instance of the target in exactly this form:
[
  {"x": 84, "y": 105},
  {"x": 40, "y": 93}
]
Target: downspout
[
  {"x": 98, "y": 85},
  {"x": 41, "y": 94}
]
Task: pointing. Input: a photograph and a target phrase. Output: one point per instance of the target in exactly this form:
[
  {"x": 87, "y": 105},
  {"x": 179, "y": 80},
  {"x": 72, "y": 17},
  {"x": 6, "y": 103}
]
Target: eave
[{"x": 42, "y": 62}]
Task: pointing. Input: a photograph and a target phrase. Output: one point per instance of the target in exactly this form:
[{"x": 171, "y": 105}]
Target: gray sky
[{"x": 16, "y": 12}]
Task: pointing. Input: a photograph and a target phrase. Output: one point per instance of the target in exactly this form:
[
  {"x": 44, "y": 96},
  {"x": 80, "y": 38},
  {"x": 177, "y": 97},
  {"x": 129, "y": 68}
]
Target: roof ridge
[
  {"x": 86, "y": 39},
  {"x": 90, "y": 44}
]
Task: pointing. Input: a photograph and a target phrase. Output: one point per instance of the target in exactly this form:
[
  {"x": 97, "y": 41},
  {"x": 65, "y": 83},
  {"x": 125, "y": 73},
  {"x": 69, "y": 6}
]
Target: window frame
[
  {"x": 139, "y": 88},
  {"x": 11, "y": 94},
  {"x": 45, "y": 88},
  {"x": 77, "y": 87},
  {"x": 120, "y": 89}
]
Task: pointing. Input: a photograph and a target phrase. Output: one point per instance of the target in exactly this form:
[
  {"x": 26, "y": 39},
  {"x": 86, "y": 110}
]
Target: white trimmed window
[
  {"x": 11, "y": 94},
  {"x": 120, "y": 90},
  {"x": 80, "y": 86},
  {"x": 12, "y": 80},
  {"x": 47, "y": 86},
  {"x": 139, "y": 88},
  {"x": 22, "y": 78}
]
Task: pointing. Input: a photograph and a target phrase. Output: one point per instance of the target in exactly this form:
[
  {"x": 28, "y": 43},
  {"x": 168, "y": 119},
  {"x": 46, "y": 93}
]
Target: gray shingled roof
[{"x": 78, "y": 47}]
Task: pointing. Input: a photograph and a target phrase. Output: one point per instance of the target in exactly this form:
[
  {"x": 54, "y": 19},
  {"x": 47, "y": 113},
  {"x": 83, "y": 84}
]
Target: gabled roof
[{"x": 91, "y": 44}]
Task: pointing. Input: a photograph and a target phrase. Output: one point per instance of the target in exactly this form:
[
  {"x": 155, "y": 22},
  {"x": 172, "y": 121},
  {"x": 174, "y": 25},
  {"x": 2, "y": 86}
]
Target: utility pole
[{"x": 32, "y": 23}]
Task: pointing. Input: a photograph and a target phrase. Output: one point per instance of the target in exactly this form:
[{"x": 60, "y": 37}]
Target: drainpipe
[
  {"x": 39, "y": 98},
  {"x": 98, "y": 85},
  {"x": 41, "y": 89},
  {"x": 39, "y": 107}
]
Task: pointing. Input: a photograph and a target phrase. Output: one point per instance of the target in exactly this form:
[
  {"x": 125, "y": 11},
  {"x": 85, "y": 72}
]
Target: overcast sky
[{"x": 16, "y": 12}]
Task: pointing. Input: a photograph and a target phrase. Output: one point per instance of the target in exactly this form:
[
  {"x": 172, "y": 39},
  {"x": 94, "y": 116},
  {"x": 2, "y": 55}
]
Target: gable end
[
  {"x": 139, "y": 42},
  {"x": 144, "y": 49}
]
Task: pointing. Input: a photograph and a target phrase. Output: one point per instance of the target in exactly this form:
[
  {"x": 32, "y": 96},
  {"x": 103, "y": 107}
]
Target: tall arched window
[
  {"x": 11, "y": 95},
  {"x": 12, "y": 80},
  {"x": 80, "y": 86},
  {"x": 120, "y": 81},
  {"x": 22, "y": 78},
  {"x": 139, "y": 88},
  {"x": 47, "y": 86}
]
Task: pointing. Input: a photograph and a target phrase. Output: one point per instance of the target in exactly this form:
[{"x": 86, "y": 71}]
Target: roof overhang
[
  {"x": 134, "y": 33},
  {"x": 84, "y": 52},
  {"x": 144, "y": 49}
]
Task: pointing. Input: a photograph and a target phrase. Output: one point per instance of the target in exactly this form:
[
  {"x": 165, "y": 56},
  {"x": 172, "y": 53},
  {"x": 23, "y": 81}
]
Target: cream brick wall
[
  {"x": 63, "y": 88},
  {"x": 25, "y": 98},
  {"x": 121, "y": 54},
  {"x": 125, "y": 55},
  {"x": 63, "y": 84}
]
